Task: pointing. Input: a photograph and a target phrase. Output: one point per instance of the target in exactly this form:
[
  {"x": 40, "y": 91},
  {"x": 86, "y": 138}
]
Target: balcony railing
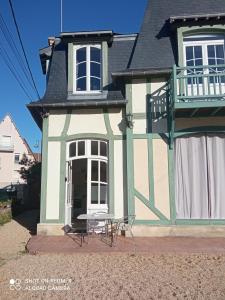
[{"x": 198, "y": 84}]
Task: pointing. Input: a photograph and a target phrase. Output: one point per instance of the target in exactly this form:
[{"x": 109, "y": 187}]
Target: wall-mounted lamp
[{"x": 129, "y": 120}]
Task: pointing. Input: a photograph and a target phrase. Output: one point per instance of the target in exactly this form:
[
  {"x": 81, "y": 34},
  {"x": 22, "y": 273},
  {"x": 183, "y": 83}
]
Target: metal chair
[
  {"x": 125, "y": 224},
  {"x": 75, "y": 232}
]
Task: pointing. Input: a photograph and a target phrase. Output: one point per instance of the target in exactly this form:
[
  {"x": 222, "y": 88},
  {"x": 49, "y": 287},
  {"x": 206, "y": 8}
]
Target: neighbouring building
[
  {"x": 134, "y": 123},
  {"x": 12, "y": 149}
]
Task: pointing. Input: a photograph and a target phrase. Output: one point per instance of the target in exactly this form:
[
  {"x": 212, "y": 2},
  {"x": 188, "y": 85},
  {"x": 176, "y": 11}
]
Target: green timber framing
[
  {"x": 132, "y": 192},
  {"x": 63, "y": 139},
  {"x": 129, "y": 173},
  {"x": 215, "y": 102}
]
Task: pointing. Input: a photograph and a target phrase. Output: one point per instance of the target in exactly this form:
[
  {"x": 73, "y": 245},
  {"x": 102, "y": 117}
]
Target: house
[
  {"x": 12, "y": 149},
  {"x": 134, "y": 124}
]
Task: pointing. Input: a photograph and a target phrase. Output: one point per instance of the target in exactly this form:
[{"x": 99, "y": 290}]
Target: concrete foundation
[
  {"x": 50, "y": 229},
  {"x": 179, "y": 231}
]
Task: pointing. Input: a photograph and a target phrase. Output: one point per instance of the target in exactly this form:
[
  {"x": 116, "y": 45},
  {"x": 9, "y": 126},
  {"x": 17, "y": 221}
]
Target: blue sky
[{"x": 39, "y": 19}]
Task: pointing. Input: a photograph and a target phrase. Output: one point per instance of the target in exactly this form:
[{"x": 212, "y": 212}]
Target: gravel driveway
[
  {"x": 104, "y": 276},
  {"x": 118, "y": 276}
]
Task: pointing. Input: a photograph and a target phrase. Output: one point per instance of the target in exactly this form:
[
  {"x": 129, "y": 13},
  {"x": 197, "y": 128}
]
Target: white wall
[
  {"x": 53, "y": 181},
  {"x": 8, "y": 169}
]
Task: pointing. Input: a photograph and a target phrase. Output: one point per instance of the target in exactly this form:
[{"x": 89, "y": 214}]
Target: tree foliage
[{"x": 30, "y": 170}]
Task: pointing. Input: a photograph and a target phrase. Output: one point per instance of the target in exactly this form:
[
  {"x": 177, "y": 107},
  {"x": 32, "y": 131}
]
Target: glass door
[
  {"x": 204, "y": 58},
  {"x": 98, "y": 186},
  {"x": 69, "y": 205},
  {"x": 87, "y": 178}
]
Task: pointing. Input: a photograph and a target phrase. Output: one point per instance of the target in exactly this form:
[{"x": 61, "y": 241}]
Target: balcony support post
[{"x": 172, "y": 105}]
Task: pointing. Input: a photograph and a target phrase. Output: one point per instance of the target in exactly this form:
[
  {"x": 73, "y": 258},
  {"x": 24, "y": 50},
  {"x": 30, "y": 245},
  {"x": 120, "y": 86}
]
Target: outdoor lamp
[{"x": 129, "y": 120}]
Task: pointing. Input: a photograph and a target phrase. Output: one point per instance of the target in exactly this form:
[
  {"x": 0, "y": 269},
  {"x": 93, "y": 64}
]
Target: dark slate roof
[
  {"x": 119, "y": 53},
  {"x": 156, "y": 45}
]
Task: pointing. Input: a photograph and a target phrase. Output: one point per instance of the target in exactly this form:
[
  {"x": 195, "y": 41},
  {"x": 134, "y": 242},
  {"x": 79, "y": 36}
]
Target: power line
[
  {"x": 21, "y": 43},
  {"x": 7, "y": 62},
  {"x": 12, "y": 45}
]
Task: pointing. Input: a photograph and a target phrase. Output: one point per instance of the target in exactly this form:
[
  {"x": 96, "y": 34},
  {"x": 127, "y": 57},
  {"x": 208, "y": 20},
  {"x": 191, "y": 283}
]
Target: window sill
[{"x": 88, "y": 95}]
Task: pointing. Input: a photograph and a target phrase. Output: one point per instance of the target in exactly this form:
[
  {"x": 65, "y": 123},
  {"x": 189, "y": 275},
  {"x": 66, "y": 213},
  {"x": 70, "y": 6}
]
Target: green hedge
[
  {"x": 5, "y": 217},
  {"x": 5, "y": 203}
]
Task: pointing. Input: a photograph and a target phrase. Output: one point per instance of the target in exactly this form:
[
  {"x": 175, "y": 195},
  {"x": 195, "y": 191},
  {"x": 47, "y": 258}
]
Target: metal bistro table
[{"x": 99, "y": 217}]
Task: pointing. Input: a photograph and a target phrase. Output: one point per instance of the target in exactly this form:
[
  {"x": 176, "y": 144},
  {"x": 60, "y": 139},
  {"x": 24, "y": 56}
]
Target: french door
[
  {"x": 87, "y": 178},
  {"x": 204, "y": 58}
]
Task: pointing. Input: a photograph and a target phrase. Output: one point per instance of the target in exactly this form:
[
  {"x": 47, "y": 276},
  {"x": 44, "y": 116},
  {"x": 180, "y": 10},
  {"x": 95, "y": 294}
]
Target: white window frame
[
  {"x": 87, "y": 155},
  {"x": 203, "y": 43},
  {"x": 7, "y": 138},
  {"x": 88, "y": 69},
  {"x": 16, "y": 154}
]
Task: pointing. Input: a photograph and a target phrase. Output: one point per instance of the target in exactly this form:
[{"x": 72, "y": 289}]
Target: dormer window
[
  {"x": 204, "y": 50},
  {"x": 88, "y": 68}
]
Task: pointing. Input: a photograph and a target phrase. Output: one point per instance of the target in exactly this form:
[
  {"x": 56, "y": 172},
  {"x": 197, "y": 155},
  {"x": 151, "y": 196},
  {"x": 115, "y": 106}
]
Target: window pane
[
  {"x": 211, "y": 62},
  {"x": 198, "y": 51},
  {"x": 189, "y": 53},
  {"x": 103, "y": 149},
  {"x": 220, "y": 51},
  {"x": 6, "y": 140},
  {"x": 198, "y": 62},
  {"x": 81, "y": 84},
  {"x": 17, "y": 158},
  {"x": 103, "y": 194},
  {"x": 103, "y": 171},
  {"x": 211, "y": 51},
  {"x": 190, "y": 63},
  {"x": 72, "y": 149},
  {"x": 94, "y": 193},
  {"x": 95, "y": 54},
  {"x": 81, "y": 55},
  {"x": 95, "y": 84},
  {"x": 81, "y": 70},
  {"x": 94, "y": 170},
  {"x": 95, "y": 70},
  {"x": 94, "y": 148},
  {"x": 81, "y": 148},
  {"x": 220, "y": 61}
]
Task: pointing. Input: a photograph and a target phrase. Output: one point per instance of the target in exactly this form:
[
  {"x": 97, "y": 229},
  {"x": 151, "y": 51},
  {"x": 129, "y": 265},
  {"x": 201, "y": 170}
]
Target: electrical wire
[
  {"x": 6, "y": 60},
  {"x": 14, "y": 49},
  {"x": 22, "y": 46}
]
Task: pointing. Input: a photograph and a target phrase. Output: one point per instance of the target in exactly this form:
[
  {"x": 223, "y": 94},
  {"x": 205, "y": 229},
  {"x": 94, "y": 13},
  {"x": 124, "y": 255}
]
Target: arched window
[{"x": 87, "y": 71}]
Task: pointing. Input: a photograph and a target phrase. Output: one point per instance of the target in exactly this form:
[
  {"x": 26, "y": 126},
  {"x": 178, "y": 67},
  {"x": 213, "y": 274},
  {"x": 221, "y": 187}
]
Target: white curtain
[
  {"x": 200, "y": 176},
  {"x": 216, "y": 174}
]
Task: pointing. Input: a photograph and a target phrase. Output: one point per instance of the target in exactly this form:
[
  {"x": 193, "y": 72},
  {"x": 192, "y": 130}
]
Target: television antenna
[{"x": 61, "y": 16}]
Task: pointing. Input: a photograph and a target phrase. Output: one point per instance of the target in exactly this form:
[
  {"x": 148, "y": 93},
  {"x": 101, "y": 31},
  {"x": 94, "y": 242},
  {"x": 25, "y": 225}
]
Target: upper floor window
[
  {"x": 88, "y": 62},
  {"x": 204, "y": 50},
  {"x": 6, "y": 140}
]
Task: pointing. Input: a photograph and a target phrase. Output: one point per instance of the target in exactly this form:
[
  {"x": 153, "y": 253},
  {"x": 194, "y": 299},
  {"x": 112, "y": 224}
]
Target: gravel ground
[
  {"x": 118, "y": 276},
  {"x": 103, "y": 276}
]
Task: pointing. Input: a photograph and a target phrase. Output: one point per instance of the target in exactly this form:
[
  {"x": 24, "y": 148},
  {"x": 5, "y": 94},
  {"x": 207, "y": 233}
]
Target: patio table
[{"x": 99, "y": 217}]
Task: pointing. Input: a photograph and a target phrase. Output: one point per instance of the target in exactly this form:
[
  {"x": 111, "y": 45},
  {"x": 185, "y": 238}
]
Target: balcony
[
  {"x": 197, "y": 91},
  {"x": 198, "y": 87}
]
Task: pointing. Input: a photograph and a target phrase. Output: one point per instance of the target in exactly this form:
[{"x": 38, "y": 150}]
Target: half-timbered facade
[{"x": 134, "y": 124}]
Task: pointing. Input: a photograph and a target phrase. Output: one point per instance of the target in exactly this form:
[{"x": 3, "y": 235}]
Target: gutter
[
  {"x": 78, "y": 104},
  {"x": 132, "y": 73}
]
